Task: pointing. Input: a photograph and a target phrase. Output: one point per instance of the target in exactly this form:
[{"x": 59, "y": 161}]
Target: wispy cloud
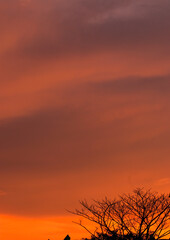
[{"x": 162, "y": 181}]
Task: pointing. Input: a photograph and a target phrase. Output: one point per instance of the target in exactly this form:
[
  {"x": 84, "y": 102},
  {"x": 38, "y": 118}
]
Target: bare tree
[{"x": 140, "y": 215}]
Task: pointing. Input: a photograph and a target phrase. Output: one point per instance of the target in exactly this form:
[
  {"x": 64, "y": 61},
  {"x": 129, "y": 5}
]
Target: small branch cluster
[{"x": 140, "y": 215}]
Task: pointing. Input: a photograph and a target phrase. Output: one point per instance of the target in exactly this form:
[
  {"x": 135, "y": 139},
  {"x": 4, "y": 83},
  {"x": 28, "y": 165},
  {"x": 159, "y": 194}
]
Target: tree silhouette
[
  {"x": 67, "y": 237},
  {"x": 141, "y": 215}
]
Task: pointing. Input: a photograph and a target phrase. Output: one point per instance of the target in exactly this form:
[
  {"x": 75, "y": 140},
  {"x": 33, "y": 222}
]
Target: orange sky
[{"x": 84, "y": 108}]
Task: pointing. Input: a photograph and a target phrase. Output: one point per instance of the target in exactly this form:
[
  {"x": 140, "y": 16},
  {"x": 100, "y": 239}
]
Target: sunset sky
[{"x": 84, "y": 108}]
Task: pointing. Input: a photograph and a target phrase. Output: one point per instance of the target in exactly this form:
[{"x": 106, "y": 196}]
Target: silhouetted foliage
[
  {"x": 140, "y": 215},
  {"x": 67, "y": 237}
]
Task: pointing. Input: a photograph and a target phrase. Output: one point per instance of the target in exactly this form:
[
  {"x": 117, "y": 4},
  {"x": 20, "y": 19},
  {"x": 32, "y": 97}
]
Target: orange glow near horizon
[{"x": 13, "y": 227}]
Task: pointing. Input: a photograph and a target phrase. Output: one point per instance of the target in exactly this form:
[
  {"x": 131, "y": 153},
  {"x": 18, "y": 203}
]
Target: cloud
[
  {"x": 111, "y": 118},
  {"x": 84, "y": 93},
  {"x": 53, "y": 155},
  {"x": 151, "y": 85},
  {"x": 64, "y": 29},
  {"x": 162, "y": 182}
]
